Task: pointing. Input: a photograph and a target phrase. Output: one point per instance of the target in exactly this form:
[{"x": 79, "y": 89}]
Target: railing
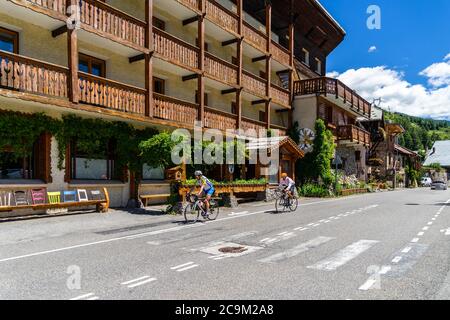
[
  {"x": 174, "y": 49},
  {"x": 250, "y": 124},
  {"x": 222, "y": 16},
  {"x": 109, "y": 94},
  {"x": 279, "y": 53},
  {"x": 193, "y": 4},
  {"x": 254, "y": 84},
  {"x": 216, "y": 119},
  {"x": 107, "y": 19},
  {"x": 220, "y": 69},
  {"x": 335, "y": 87},
  {"x": 354, "y": 134},
  {"x": 282, "y": 130},
  {"x": 254, "y": 37},
  {"x": 54, "y": 5},
  {"x": 172, "y": 109},
  {"x": 29, "y": 75},
  {"x": 280, "y": 95}
]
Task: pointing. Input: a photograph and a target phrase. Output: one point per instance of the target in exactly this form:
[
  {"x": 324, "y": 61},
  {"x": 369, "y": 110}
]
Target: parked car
[
  {"x": 426, "y": 182},
  {"x": 439, "y": 185}
]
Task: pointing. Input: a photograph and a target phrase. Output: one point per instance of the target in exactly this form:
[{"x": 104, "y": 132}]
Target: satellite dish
[{"x": 307, "y": 137}]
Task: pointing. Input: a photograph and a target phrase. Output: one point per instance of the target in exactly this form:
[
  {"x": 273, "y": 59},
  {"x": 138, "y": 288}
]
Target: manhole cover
[{"x": 233, "y": 249}]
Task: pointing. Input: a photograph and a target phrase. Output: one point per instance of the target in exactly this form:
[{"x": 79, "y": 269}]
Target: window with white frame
[
  {"x": 318, "y": 66},
  {"x": 305, "y": 56}
]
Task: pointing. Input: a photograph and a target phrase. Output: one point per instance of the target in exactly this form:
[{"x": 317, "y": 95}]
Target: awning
[
  {"x": 405, "y": 151},
  {"x": 274, "y": 144}
]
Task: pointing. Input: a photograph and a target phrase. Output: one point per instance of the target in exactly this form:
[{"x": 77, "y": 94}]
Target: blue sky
[{"x": 414, "y": 36}]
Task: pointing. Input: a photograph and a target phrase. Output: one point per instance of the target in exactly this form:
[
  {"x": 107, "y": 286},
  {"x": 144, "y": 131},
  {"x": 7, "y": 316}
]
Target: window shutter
[{"x": 42, "y": 158}]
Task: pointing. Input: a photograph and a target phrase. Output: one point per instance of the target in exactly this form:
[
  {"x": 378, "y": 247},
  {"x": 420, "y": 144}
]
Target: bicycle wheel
[
  {"x": 280, "y": 205},
  {"x": 191, "y": 213},
  {"x": 293, "y": 204},
  {"x": 213, "y": 210}
]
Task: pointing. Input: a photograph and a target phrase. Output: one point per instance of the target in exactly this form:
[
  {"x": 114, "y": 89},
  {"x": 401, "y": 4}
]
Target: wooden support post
[
  {"x": 268, "y": 60},
  {"x": 149, "y": 58},
  {"x": 72, "y": 50},
  {"x": 201, "y": 62},
  {"x": 240, "y": 49},
  {"x": 291, "y": 62}
]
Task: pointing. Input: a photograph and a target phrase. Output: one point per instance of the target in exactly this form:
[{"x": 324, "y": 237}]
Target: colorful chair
[
  {"x": 21, "y": 198},
  {"x": 82, "y": 195},
  {"x": 54, "y": 197},
  {"x": 5, "y": 198},
  {"x": 69, "y": 196},
  {"x": 96, "y": 195},
  {"x": 38, "y": 196}
]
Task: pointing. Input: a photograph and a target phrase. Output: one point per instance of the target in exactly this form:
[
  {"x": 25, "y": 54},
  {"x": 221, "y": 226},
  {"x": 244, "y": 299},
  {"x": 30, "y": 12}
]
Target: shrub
[{"x": 313, "y": 190}]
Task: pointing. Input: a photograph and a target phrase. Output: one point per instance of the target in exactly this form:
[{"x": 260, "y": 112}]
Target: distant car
[
  {"x": 439, "y": 185},
  {"x": 426, "y": 182}
]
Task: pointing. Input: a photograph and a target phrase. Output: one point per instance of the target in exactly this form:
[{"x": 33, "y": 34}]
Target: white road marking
[
  {"x": 430, "y": 223},
  {"x": 326, "y": 221},
  {"x": 283, "y": 233},
  {"x": 182, "y": 265},
  {"x": 264, "y": 240},
  {"x": 415, "y": 240},
  {"x": 309, "y": 225},
  {"x": 397, "y": 259},
  {"x": 94, "y": 298},
  {"x": 187, "y": 268},
  {"x": 433, "y": 219},
  {"x": 425, "y": 228},
  {"x": 134, "y": 280},
  {"x": 290, "y": 253},
  {"x": 141, "y": 283},
  {"x": 406, "y": 250},
  {"x": 371, "y": 281},
  {"x": 343, "y": 256},
  {"x": 238, "y": 213},
  {"x": 421, "y": 234},
  {"x": 83, "y": 296},
  {"x": 316, "y": 225}
]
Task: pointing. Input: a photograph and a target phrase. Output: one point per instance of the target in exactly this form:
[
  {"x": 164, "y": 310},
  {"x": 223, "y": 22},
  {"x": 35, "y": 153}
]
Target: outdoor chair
[
  {"x": 54, "y": 197},
  {"x": 82, "y": 195},
  {"x": 21, "y": 198},
  {"x": 96, "y": 195},
  {"x": 69, "y": 196},
  {"x": 38, "y": 196},
  {"x": 5, "y": 199}
]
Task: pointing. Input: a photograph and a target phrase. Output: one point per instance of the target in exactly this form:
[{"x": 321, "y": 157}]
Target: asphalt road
[{"x": 391, "y": 245}]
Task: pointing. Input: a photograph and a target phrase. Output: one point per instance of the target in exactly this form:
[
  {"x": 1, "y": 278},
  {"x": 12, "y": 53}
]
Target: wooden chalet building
[{"x": 165, "y": 64}]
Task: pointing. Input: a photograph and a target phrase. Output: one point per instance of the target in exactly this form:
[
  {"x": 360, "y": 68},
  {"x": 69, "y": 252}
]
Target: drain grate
[{"x": 233, "y": 249}]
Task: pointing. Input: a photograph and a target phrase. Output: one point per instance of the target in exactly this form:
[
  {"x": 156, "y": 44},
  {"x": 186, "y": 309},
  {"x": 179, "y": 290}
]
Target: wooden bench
[
  {"x": 146, "y": 197},
  {"x": 101, "y": 205}
]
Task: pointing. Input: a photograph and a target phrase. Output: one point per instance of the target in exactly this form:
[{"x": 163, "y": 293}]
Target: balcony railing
[
  {"x": 354, "y": 134},
  {"x": 222, "y": 16},
  {"x": 111, "y": 94},
  {"x": 217, "y": 119},
  {"x": 53, "y": 5},
  {"x": 280, "y": 95},
  {"x": 280, "y": 53},
  {"x": 254, "y": 37},
  {"x": 282, "y": 130},
  {"x": 250, "y": 124},
  {"x": 254, "y": 84},
  {"x": 193, "y": 4},
  {"x": 220, "y": 69},
  {"x": 174, "y": 49},
  {"x": 168, "y": 108},
  {"x": 109, "y": 20},
  {"x": 335, "y": 87},
  {"x": 30, "y": 75}
]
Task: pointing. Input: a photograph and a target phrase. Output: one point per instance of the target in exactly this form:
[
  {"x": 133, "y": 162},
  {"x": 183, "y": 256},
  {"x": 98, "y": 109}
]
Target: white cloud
[
  {"x": 447, "y": 57},
  {"x": 372, "y": 49},
  {"x": 400, "y": 95}
]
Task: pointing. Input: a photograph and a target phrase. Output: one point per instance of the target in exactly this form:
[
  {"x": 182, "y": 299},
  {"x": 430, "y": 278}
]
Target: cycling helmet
[
  {"x": 198, "y": 173},
  {"x": 284, "y": 175}
]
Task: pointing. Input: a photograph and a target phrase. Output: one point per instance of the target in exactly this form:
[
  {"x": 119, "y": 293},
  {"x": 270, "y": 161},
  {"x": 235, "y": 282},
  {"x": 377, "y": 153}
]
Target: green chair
[{"x": 54, "y": 197}]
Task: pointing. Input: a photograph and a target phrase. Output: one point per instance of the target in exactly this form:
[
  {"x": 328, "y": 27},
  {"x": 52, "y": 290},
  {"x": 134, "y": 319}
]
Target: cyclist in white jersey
[{"x": 205, "y": 186}]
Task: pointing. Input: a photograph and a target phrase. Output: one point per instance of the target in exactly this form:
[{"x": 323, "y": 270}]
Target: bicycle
[
  {"x": 196, "y": 206},
  {"x": 285, "y": 202}
]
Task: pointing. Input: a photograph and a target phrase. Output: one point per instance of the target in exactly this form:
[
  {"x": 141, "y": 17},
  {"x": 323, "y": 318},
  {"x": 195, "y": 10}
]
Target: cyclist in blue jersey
[{"x": 205, "y": 186}]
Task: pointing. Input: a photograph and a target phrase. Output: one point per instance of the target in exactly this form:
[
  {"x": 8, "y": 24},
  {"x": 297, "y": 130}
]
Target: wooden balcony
[
  {"x": 220, "y": 70},
  {"x": 254, "y": 37},
  {"x": 175, "y": 50},
  {"x": 351, "y": 134},
  {"x": 55, "y": 5},
  {"x": 222, "y": 16},
  {"x": 217, "y": 119},
  {"x": 111, "y": 21},
  {"x": 328, "y": 86},
  {"x": 172, "y": 109},
  {"x": 24, "y": 74},
  {"x": 110, "y": 94},
  {"x": 192, "y": 4},
  {"x": 282, "y": 131},
  {"x": 280, "y": 54},
  {"x": 250, "y": 124},
  {"x": 254, "y": 84},
  {"x": 280, "y": 96}
]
